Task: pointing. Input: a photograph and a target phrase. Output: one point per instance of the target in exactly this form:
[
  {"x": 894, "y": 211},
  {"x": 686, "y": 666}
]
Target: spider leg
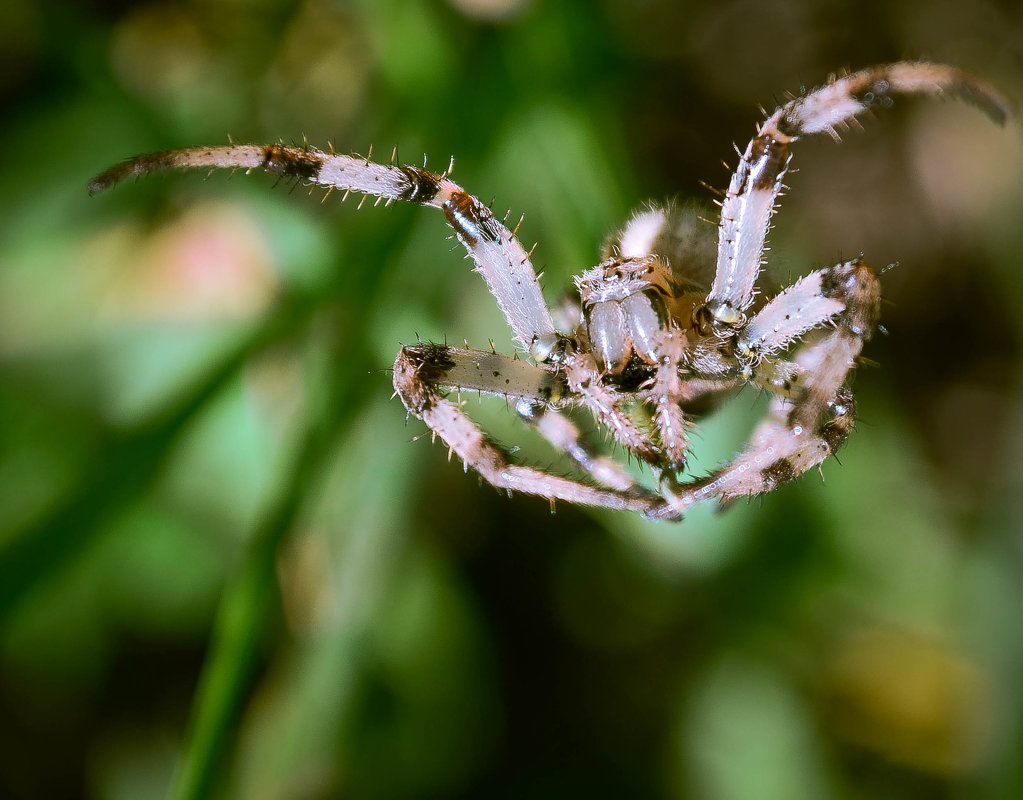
[
  {"x": 812, "y": 301},
  {"x": 665, "y": 394},
  {"x": 779, "y": 451},
  {"x": 800, "y": 431},
  {"x": 828, "y": 362},
  {"x": 530, "y": 389},
  {"x": 806, "y": 304},
  {"x": 488, "y": 372},
  {"x": 753, "y": 191},
  {"x": 564, "y": 435},
  {"x": 499, "y": 256},
  {"x": 421, "y": 370},
  {"x": 608, "y": 406}
]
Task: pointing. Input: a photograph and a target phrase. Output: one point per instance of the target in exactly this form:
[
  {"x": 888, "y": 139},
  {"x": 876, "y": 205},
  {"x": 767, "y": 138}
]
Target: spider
[{"x": 640, "y": 344}]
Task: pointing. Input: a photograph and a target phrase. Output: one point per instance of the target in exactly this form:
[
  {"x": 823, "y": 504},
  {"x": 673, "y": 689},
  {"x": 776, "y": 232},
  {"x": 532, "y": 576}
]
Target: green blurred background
[{"x": 225, "y": 567}]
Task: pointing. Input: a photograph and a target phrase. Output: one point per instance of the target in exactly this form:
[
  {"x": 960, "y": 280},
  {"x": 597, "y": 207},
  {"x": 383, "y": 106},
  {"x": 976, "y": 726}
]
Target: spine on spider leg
[
  {"x": 499, "y": 256},
  {"x": 753, "y": 191}
]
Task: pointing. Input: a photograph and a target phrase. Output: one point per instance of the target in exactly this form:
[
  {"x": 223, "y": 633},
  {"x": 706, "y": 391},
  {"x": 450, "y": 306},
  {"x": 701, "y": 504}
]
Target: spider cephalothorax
[{"x": 642, "y": 344}]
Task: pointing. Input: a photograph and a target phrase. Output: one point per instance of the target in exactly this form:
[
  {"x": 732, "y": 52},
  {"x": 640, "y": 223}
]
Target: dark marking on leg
[
  {"x": 837, "y": 428},
  {"x": 788, "y": 126},
  {"x": 833, "y": 281},
  {"x": 137, "y": 167},
  {"x": 431, "y": 361},
  {"x": 780, "y": 472},
  {"x": 769, "y": 159},
  {"x": 291, "y": 161},
  {"x": 872, "y": 87},
  {"x": 471, "y": 220},
  {"x": 553, "y": 387},
  {"x": 840, "y": 280},
  {"x": 423, "y": 185},
  {"x": 856, "y": 284},
  {"x": 834, "y": 432}
]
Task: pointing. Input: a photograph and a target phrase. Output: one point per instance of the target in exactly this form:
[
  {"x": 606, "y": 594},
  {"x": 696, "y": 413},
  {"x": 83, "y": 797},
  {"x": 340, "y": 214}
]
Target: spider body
[{"x": 642, "y": 344}]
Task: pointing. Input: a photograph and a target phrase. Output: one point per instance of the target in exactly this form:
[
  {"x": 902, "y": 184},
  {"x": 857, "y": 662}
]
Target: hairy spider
[{"x": 642, "y": 345}]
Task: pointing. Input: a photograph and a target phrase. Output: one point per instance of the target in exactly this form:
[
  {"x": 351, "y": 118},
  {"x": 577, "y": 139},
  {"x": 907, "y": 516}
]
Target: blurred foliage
[{"x": 225, "y": 569}]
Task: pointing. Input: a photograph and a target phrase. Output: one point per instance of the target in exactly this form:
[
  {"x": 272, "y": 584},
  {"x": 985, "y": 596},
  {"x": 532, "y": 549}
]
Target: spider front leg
[
  {"x": 423, "y": 372},
  {"x": 499, "y": 256},
  {"x": 753, "y": 191},
  {"x": 813, "y": 412}
]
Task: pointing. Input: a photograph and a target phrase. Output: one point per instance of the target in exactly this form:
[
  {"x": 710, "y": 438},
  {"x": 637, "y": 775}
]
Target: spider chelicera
[{"x": 641, "y": 345}]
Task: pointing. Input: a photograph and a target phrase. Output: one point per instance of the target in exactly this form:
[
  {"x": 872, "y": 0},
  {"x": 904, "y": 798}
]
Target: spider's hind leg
[
  {"x": 781, "y": 448},
  {"x": 813, "y": 411},
  {"x": 423, "y": 373}
]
